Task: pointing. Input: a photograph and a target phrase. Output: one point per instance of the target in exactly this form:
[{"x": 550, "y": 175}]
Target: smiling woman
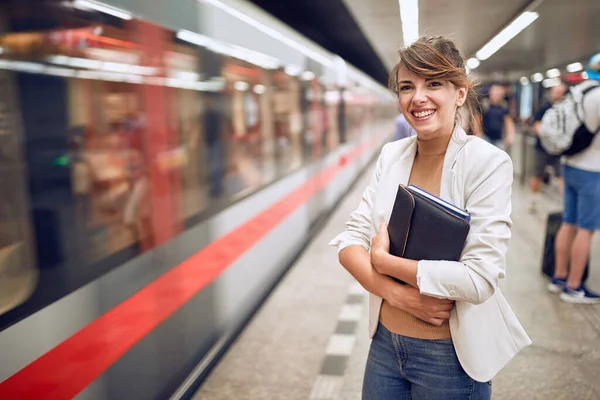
[
  {"x": 416, "y": 325},
  {"x": 432, "y": 68}
]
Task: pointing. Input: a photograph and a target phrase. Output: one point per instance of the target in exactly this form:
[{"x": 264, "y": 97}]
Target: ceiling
[
  {"x": 330, "y": 24},
  {"x": 566, "y": 31}
]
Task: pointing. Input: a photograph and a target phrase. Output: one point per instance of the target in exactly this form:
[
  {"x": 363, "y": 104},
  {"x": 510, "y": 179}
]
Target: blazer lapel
[
  {"x": 405, "y": 162},
  {"x": 399, "y": 173},
  {"x": 448, "y": 186}
]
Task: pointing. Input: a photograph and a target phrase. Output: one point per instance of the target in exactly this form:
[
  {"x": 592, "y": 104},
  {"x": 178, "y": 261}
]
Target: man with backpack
[
  {"x": 542, "y": 158},
  {"x": 570, "y": 128}
]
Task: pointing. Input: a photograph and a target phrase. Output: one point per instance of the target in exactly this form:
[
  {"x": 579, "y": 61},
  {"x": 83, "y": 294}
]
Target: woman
[{"x": 447, "y": 332}]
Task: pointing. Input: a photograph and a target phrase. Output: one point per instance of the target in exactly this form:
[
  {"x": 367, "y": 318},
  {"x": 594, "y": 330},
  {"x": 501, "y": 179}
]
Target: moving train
[{"x": 162, "y": 165}]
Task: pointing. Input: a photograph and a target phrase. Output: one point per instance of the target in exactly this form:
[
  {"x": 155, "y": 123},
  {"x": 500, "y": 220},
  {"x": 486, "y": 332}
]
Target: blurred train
[{"x": 162, "y": 164}]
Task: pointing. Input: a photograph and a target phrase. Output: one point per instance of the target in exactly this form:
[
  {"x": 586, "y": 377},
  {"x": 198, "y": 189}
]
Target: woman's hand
[
  {"x": 380, "y": 248},
  {"x": 426, "y": 308}
]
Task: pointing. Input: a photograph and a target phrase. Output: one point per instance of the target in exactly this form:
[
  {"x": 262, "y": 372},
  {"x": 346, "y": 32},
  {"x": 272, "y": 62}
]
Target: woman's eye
[
  {"x": 404, "y": 88},
  {"x": 435, "y": 84}
]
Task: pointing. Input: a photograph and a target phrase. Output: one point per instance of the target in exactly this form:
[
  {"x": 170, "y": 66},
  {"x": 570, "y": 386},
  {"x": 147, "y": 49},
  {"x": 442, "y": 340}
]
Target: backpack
[{"x": 563, "y": 131}]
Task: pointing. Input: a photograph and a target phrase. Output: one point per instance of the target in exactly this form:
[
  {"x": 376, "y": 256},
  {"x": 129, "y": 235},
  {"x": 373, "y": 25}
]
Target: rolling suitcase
[{"x": 552, "y": 225}]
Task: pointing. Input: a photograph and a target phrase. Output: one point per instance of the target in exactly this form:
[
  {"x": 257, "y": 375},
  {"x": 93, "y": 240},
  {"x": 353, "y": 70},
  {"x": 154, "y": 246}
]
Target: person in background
[
  {"x": 403, "y": 129},
  {"x": 543, "y": 159},
  {"x": 581, "y": 215},
  {"x": 498, "y": 126}
]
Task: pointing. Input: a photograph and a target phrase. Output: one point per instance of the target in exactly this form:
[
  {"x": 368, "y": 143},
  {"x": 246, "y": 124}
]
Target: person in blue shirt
[
  {"x": 543, "y": 159},
  {"x": 403, "y": 129},
  {"x": 498, "y": 126}
]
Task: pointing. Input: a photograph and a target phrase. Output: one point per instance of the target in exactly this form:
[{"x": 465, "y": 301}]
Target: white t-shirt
[{"x": 589, "y": 159}]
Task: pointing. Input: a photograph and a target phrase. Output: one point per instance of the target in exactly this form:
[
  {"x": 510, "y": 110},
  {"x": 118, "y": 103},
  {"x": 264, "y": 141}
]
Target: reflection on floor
[{"x": 310, "y": 341}]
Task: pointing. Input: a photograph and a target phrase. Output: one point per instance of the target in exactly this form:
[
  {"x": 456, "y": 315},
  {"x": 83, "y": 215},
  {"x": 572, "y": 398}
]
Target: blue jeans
[
  {"x": 404, "y": 368},
  {"x": 582, "y": 198}
]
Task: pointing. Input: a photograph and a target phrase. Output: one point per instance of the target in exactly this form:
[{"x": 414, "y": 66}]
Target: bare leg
[
  {"x": 580, "y": 252},
  {"x": 561, "y": 185},
  {"x": 536, "y": 184},
  {"x": 562, "y": 248}
]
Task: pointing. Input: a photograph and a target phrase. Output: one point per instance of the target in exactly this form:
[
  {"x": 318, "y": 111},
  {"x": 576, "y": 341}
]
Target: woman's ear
[{"x": 462, "y": 96}]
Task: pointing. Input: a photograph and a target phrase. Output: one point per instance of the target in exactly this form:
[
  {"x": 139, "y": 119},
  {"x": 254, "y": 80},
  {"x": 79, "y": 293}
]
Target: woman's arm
[
  {"x": 387, "y": 264},
  {"x": 475, "y": 278},
  {"x": 357, "y": 262},
  {"x": 354, "y": 245}
]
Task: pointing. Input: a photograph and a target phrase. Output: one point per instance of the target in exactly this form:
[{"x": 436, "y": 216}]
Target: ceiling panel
[
  {"x": 330, "y": 24},
  {"x": 380, "y": 22},
  {"x": 566, "y": 31},
  {"x": 470, "y": 23}
]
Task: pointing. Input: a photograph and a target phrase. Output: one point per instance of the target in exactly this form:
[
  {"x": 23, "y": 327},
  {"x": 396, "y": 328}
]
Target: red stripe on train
[{"x": 68, "y": 368}]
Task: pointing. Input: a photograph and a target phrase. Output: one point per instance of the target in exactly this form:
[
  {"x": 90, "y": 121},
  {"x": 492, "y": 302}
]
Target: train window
[
  {"x": 18, "y": 269},
  {"x": 315, "y": 117},
  {"x": 287, "y": 117},
  {"x": 332, "y": 103},
  {"x": 356, "y": 113},
  {"x": 248, "y": 128}
]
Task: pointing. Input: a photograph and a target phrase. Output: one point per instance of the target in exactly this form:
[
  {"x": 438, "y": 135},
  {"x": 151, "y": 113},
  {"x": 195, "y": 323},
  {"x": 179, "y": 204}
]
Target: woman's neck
[{"x": 433, "y": 147}]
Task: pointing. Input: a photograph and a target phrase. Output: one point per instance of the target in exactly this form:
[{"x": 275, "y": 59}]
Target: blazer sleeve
[
  {"x": 358, "y": 228},
  {"x": 475, "y": 278}
]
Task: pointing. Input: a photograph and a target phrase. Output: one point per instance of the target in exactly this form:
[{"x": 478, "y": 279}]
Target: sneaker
[
  {"x": 557, "y": 285},
  {"x": 579, "y": 296}
]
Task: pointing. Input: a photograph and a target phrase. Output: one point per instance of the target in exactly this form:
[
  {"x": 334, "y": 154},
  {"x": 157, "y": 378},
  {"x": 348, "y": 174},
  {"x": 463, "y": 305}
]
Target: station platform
[{"x": 309, "y": 340}]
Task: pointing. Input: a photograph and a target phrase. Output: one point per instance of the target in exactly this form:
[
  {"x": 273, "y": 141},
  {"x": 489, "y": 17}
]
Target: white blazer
[{"x": 477, "y": 177}]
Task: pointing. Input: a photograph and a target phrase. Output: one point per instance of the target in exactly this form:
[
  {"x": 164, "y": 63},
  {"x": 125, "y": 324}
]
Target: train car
[{"x": 162, "y": 164}]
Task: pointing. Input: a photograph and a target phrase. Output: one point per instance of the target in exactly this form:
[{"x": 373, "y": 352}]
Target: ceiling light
[
  {"x": 537, "y": 77},
  {"x": 332, "y": 96},
  {"x": 577, "y": 66},
  {"x": 241, "y": 86},
  {"x": 292, "y": 70},
  {"x": 548, "y": 83},
  {"x": 409, "y": 15},
  {"x": 193, "y": 38},
  {"x": 512, "y": 30},
  {"x": 184, "y": 75},
  {"x": 308, "y": 76},
  {"x": 553, "y": 73},
  {"x": 473, "y": 63},
  {"x": 105, "y": 8},
  {"x": 524, "y": 80},
  {"x": 259, "y": 89}
]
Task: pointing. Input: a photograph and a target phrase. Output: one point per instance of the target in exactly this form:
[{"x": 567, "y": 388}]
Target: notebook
[{"x": 424, "y": 227}]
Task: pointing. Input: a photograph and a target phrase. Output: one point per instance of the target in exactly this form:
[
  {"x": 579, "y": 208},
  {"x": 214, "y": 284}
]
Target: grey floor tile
[
  {"x": 540, "y": 377},
  {"x": 248, "y": 391},
  {"x": 351, "y": 395},
  {"x": 261, "y": 363}
]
